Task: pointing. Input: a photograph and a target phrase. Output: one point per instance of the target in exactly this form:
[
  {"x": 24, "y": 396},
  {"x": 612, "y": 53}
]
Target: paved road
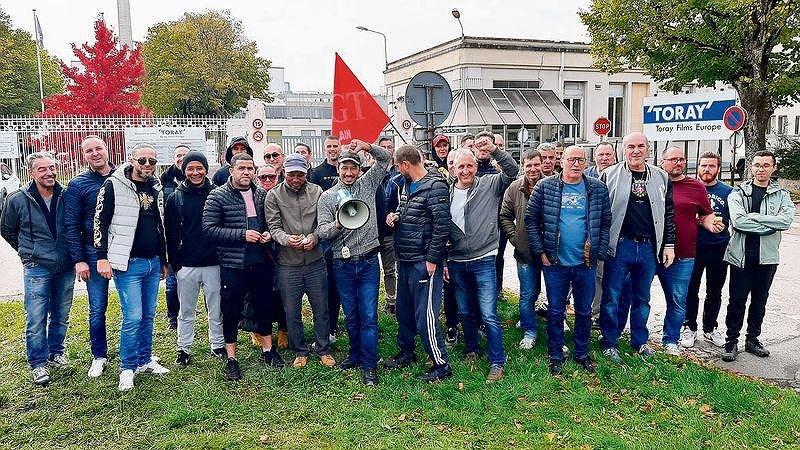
[{"x": 781, "y": 330}]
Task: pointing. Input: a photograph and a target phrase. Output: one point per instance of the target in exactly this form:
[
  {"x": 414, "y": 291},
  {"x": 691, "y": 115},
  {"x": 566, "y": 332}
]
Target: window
[
  {"x": 771, "y": 129},
  {"x": 573, "y": 100},
  {"x": 308, "y": 133},
  {"x": 797, "y": 125},
  {"x": 516, "y": 84},
  {"x": 783, "y": 124},
  {"x": 616, "y": 102}
]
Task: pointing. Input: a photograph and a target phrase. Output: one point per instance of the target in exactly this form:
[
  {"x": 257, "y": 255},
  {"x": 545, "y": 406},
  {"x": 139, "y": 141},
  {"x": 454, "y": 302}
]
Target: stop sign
[{"x": 602, "y": 126}]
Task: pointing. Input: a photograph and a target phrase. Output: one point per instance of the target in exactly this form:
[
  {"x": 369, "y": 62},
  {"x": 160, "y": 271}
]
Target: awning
[{"x": 482, "y": 107}]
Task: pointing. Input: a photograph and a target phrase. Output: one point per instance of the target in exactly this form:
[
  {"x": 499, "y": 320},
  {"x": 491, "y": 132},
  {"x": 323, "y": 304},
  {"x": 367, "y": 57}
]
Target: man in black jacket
[
  {"x": 170, "y": 180},
  {"x": 233, "y": 218},
  {"x": 32, "y": 223},
  {"x": 80, "y": 202},
  {"x": 422, "y": 226},
  {"x": 195, "y": 265},
  {"x": 238, "y": 145}
]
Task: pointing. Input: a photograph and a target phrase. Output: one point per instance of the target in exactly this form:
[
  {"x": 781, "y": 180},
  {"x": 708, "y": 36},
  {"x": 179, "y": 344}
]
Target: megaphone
[{"x": 353, "y": 213}]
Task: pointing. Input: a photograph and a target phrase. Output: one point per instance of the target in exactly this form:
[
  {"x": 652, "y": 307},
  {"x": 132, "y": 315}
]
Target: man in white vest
[{"x": 130, "y": 245}]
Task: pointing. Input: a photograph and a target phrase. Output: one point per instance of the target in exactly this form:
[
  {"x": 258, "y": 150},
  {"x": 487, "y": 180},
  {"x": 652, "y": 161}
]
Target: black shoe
[
  {"x": 400, "y": 361},
  {"x": 390, "y": 309},
  {"x": 348, "y": 363},
  {"x": 182, "y": 360},
  {"x": 232, "y": 371},
  {"x": 451, "y": 337},
  {"x": 369, "y": 377},
  {"x": 587, "y": 364},
  {"x": 541, "y": 313},
  {"x": 220, "y": 353},
  {"x": 730, "y": 352},
  {"x": 754, "y": 346},
  {"x": 173, "y": 325},
  {"x": 272, "y": 358},
  {"x": 555, "y": 368},
  {"x": 436, "y": 373}
]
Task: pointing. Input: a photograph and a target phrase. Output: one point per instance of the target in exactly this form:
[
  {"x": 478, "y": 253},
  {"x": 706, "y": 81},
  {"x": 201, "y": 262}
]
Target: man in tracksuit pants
[{"x": 422, "y": 224}]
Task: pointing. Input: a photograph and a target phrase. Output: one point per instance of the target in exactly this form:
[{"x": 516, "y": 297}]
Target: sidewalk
[{"x": 780, "y": 331}]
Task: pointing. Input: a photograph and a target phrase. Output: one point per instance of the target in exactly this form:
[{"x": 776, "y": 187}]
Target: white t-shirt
[{"x": 457, "y": 205}]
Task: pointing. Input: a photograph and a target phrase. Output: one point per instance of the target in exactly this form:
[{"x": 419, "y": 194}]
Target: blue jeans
[
  {"x": 637, "y": 259},
  {"x": 530, "y": 276},
  {"x": 477, "y": 278},
  {"x": 357, "y": 283},
  {"x": 559, "y": 279},
  {"x": 97, "y": 288},
  {"x": 675, "y": 283},
  {"x": 138, "y": 296},
  {"x": 48, "y": 298}
]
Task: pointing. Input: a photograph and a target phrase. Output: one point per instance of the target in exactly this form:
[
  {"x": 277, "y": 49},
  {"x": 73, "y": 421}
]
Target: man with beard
[
  {"x": 238, "y": 145},
  {"x": 710, "y": 251},
  {"x": 130, "y": 246}
]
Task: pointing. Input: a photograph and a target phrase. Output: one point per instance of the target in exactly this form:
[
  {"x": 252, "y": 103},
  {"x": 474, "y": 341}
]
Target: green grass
[{"x": 660, "y": 403}]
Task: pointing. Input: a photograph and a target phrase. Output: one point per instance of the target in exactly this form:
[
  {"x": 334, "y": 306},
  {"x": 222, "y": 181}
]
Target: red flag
[{"x": 356, "y": 115}]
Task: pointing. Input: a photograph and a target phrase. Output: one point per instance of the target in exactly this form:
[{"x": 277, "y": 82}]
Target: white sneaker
[
  {"x": 688, "y": 337},
  {"x": 332, "y": 339},
  {"x": 125, "y": 380},
  {"x": 672, "y": 349},
  {"x": 565, "y": 350},
  {"x": 152, "y": 367},
  {"x": 41, "y": 375},
  {"x": 566, "y": 327},
  {"x": 527, "y": 343},
  {"x": 59, "y": 361},
  {"x": 519, "y": 325},
  {"x": 96, "y": 369},
  {"x": 715, "y": 337}
]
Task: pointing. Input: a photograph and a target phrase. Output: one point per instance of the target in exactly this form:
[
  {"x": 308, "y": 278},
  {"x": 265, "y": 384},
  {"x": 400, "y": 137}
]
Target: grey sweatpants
[
  {"x": 389, "y": 266},
  {"x": 311, "y": 280},
  {"x": 190, "y": 280}
]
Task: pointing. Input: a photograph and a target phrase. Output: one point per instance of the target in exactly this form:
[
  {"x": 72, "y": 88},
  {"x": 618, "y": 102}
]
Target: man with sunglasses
[
  {"x": 760, "y": 210},
  {"x": 273, "y": 154},
  {"x": 130, "y": 245}
]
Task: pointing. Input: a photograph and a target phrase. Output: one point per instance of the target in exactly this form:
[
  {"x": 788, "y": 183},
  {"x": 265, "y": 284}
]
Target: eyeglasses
[
  {"x": 144, "y": 161},
  {"x": 675, "y": 160},
  {"x": 762, "y": 166},
  {"x": 267, "y": 177},
  {"x": 576, "y": 160},
  {"x": 271, "y": 155}
]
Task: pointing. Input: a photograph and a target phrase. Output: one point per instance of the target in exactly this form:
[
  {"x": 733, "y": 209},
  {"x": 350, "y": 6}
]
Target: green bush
[{"x": 787, "y": 151}]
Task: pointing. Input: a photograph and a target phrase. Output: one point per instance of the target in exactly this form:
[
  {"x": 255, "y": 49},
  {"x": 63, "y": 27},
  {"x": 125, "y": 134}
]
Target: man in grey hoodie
[{"x": 474, "y": 240}]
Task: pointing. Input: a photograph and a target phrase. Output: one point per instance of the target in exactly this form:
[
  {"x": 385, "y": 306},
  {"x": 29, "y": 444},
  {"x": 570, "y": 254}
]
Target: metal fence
[{"x": 62, "y": 137}]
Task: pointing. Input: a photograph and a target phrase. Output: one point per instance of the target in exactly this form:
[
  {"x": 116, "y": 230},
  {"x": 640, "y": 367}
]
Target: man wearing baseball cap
[
  {"x": 355, "y": 254},
  {"x": 291, "y": 212}
]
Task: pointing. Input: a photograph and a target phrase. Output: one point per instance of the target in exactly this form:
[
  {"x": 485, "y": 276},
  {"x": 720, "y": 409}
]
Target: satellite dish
[{"x": 428, "y": 99}]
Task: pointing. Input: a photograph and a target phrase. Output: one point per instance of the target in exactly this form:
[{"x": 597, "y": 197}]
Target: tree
[
  {"x": 19, "y": 77},
  {"x": 754, "y": 45},
  {"x": 202, "y": 65},
  {"x": 107, "y": 83}
]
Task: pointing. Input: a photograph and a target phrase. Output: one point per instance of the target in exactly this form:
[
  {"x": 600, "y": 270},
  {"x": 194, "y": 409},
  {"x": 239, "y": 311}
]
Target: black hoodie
[
  {"x": 221, "y": 175},
  {"x": 183, "y": 224}
]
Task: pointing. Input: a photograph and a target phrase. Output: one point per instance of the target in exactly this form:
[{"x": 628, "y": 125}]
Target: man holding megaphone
[{"x": 346, "y": 216}]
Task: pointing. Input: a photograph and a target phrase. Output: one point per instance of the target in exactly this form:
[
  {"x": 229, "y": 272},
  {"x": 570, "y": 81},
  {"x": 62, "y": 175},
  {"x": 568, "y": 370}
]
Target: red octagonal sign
[{"x": 602, "y": 126}]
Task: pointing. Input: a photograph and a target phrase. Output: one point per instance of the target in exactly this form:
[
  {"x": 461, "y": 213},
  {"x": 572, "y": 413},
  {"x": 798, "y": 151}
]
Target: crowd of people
[{"x": 257, "y": 240}]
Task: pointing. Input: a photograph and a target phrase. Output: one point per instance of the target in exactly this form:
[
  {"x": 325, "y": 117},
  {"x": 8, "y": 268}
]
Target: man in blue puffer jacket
[{"x": 568, "y": 221}]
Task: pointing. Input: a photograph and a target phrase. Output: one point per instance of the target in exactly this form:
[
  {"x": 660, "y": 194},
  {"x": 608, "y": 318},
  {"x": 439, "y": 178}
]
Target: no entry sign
[
  {"x": 602, "y": 126},
  {"x": 734, "y": 118}
]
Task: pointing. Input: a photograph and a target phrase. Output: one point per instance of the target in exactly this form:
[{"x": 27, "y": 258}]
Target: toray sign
[{"x": 687, "y": 117}]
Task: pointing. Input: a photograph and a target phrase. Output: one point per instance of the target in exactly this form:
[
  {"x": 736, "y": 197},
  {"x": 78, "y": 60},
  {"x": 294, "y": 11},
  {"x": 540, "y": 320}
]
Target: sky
[{"x": 303, "y": 35}]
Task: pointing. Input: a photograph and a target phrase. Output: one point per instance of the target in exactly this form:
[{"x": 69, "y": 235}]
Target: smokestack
[{"x": 124, "y": 22}]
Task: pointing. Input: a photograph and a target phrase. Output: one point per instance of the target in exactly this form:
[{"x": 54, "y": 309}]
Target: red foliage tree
[{"x": 107, "y": 82}]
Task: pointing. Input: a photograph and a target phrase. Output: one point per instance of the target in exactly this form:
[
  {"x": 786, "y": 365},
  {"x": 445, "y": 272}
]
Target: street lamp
[
  {"x": 385, "y": 55},
  {"x": 457, "y": 15}
]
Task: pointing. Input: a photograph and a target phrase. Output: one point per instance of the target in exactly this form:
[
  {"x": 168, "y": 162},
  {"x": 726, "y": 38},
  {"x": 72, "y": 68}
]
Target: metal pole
[{"x": 38, "y": 61}]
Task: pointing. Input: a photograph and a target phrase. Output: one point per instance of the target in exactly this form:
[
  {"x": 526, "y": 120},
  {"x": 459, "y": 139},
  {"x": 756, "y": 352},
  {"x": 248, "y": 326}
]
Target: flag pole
[{"x": 38, "y": 32}]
